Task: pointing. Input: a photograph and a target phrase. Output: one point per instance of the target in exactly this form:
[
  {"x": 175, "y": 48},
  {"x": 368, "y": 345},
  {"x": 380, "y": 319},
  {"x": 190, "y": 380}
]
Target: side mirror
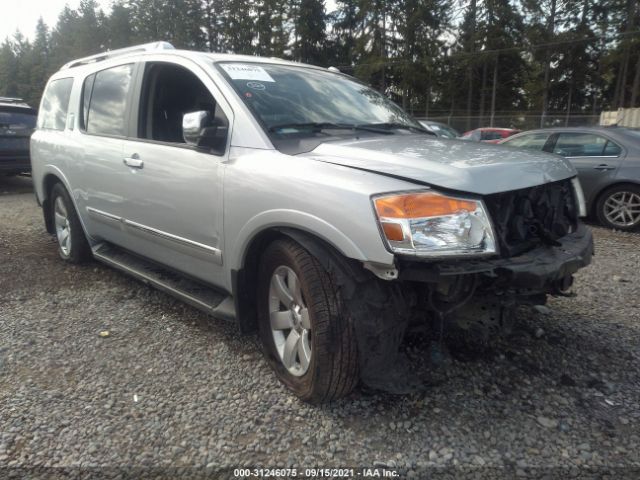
[{"x": 202, "y": 130}]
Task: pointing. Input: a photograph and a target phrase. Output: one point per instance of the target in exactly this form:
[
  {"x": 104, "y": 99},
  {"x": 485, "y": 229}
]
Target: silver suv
[{"x": 300, "y": 203}]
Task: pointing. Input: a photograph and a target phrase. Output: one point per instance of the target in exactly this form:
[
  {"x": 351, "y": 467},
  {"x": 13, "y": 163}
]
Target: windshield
[
  {"x": 17, "y": 120},
  {"x": 291, "y": 100}
]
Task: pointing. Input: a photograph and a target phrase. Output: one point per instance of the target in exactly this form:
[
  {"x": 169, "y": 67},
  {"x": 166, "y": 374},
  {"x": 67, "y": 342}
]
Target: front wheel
[
  {"x": 308, "y": 338},
  {"x": 72, "y": 244},
  {"x": 619, "y": 207}
]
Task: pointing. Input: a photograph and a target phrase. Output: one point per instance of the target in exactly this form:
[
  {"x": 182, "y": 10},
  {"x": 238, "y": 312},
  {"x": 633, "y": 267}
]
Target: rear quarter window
[{"x": 55, "y": 104}]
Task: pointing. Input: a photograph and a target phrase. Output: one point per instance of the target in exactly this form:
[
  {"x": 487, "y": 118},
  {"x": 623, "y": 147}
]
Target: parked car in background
[
  {"x": 440, "y": 129},
  {"x": 17, "y": 121},
  {"x": 300, "y": 203},
  {"x": 488, "y": 135},
  {"x": 608, "y": 164}
]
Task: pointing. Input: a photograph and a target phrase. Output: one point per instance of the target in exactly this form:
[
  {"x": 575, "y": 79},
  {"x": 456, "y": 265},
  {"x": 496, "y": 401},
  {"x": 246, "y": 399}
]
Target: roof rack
[{"x": 147, "y": 47}]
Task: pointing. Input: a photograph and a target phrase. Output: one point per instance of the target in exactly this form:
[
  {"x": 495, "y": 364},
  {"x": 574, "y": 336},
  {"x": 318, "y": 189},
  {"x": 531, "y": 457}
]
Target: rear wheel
[
  {"x": 619, "y": 207},
  {"x": 308, "y": 339},
  {"x": 72, "y": 244}
]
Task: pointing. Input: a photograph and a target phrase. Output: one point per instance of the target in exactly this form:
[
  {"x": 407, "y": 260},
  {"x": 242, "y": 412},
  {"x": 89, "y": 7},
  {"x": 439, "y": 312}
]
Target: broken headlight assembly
[{"x": 430, "y": 224}]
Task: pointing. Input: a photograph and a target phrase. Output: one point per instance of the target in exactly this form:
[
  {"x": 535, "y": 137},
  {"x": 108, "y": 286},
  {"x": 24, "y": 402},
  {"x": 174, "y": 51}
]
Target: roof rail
[
  {"x": 147, "y": 47},
  {"x": 11, "y": 100}
]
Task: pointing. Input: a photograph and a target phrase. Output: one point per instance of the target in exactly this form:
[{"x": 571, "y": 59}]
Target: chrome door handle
[
  {"x": 603, "y": 167},
  {"x": 133, "y": 161}
]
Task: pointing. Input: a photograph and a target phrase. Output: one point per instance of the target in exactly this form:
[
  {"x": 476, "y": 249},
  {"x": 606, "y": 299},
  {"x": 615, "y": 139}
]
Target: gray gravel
[{"x": 170, "y": 387}]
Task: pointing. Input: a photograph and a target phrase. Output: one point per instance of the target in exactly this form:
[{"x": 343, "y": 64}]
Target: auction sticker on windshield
[{"x": 242, "y": 71}]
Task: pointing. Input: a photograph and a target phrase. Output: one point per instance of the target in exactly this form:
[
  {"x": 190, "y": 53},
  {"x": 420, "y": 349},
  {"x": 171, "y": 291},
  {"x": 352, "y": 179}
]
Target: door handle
[
  {"x": 133, "y": 161},
  {"x": 603, "y": 167}
]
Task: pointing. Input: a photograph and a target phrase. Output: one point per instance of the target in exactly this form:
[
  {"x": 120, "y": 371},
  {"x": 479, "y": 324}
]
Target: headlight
[
  {"x": 431, "y": 224},
  {"x": 577, "y": 190}
]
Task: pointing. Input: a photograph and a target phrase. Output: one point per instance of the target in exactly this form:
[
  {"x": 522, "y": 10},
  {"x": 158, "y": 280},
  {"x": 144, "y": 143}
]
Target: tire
[
  {"x": 619, "y": 207},
  {"x": 72, "y": 243},
  {"x": 324, "y": 333}
]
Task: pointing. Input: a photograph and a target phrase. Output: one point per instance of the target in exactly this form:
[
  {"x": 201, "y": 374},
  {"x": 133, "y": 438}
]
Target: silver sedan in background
[{"x": 608, "y": 164}]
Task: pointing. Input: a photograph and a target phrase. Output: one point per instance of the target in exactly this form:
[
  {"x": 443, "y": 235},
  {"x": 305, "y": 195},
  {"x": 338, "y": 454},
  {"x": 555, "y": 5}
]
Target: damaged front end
[{"x": 541, "y": 244}]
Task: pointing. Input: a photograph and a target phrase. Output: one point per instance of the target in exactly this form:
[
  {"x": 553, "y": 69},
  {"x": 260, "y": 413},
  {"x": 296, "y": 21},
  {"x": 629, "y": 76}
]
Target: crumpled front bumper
[{"x": 538, "y": 269}]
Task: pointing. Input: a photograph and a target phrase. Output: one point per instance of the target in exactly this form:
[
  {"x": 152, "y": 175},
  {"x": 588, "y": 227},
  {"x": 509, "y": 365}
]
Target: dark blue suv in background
[{"x": 17, "y": 122}]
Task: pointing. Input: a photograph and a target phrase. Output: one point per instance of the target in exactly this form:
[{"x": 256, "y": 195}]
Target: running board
[{"x": 195, "y": 293}]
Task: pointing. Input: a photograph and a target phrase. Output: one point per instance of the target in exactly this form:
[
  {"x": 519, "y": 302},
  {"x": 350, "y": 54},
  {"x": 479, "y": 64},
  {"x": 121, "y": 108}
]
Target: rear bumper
[{"x": 538, "y": 269}]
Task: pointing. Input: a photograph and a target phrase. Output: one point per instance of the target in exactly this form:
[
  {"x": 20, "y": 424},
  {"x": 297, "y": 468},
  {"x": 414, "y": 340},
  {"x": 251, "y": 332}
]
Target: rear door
[
  {"x": 595, "y": 156},
  {"x": 106, "y": 97}
]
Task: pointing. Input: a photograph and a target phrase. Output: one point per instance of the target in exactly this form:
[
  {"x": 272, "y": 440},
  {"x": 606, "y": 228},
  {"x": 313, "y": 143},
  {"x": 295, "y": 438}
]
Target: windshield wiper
[
  {"x": 402, "y": 126},
  {"x": 318, "y": 126}
]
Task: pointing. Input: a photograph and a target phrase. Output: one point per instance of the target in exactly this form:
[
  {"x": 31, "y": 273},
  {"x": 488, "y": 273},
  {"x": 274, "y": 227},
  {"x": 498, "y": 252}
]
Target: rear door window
[
  {"x": 105, "y": 113},
  {"x": 577, "y": 144},
  {"x": 55, "y": 104}
]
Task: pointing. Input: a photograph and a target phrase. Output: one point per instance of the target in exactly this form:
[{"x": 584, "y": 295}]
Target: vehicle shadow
[{"x": 14, "y": 184}]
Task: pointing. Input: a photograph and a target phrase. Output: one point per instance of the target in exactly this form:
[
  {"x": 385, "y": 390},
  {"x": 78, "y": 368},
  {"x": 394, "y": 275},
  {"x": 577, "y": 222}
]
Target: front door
[{"x": 174, "y": 209}]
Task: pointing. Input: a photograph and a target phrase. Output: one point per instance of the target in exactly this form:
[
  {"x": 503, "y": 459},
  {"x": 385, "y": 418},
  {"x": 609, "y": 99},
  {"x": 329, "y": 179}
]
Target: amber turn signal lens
[
  {"x": 419, "y": 205},
  {"x": 393, "y": 231}
]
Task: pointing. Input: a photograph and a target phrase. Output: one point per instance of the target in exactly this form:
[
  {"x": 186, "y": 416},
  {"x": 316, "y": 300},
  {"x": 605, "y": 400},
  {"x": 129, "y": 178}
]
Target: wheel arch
[
  {"x": 244, "y": 279},
  {"x": 48, "y": 182},
  {"x": 51, "y": 176}
]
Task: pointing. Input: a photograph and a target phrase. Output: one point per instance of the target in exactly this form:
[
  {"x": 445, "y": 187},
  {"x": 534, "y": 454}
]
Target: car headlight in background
[
  {"x": 577, "y": 190},
  {"x": 431, "y": 224}
]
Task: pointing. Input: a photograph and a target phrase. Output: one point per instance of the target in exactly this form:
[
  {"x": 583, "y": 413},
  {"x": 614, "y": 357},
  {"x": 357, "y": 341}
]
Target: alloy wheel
[
  {"x": 622, "y": 209},
  {"x": 63, "y": 227},
  {"x": 289, "y": 320}
]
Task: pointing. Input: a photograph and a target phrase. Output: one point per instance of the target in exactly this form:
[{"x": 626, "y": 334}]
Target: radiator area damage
[{"x": 542, "y": 244}]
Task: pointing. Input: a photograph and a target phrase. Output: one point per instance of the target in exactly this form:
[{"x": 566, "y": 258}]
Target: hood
[{"x": 452, "y": 164}]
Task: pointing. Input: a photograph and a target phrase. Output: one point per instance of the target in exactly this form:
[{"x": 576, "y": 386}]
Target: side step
[{"x": 190, "y": 291}]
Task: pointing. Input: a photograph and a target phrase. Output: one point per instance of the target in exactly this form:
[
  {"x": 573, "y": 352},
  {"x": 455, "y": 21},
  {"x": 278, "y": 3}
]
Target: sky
[{"x": 23, "y": 14}]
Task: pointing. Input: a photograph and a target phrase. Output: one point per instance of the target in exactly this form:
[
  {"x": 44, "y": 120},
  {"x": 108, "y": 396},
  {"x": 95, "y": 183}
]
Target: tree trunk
[
  {"x": 483, "y": 90},
  {"x": 493, "y": 91},
  {"x": 621, "y": 84},
  {"x": 636, "y": 84},
  {"x": 569, "y": 100},
  {"x": 472, "y": 49},
  {"x": 547, "y": 63}
]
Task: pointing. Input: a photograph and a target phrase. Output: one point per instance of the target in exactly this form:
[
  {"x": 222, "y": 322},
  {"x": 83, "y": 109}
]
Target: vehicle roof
[{"x": 600, "y": 128}]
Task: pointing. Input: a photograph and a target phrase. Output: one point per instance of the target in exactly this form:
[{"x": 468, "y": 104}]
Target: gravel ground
[{"x": 170, "y": 387}]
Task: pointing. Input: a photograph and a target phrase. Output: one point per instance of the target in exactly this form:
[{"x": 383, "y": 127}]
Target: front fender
[{"x": 293, "y": 219}]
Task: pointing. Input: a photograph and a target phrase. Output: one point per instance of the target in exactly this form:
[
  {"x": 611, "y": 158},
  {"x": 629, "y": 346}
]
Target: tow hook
[{"x": 561, "y": 286}]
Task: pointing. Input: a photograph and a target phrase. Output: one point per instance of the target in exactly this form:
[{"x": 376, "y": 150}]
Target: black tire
[
  {"x": 79, "y": 250},
  {"x": 601, "y": 206},
  {"x": 333, "y": 369}
]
